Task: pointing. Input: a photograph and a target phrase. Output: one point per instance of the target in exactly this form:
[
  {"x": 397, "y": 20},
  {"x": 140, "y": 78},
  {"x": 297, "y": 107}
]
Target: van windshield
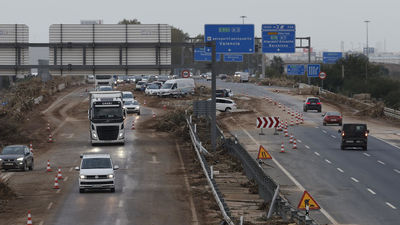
[{"x": 167, "y": 86}]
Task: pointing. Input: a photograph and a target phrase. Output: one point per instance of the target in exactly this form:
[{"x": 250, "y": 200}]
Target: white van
[
  {"x": 177, "y": 87},
  {"x": 244, "y": 76}
]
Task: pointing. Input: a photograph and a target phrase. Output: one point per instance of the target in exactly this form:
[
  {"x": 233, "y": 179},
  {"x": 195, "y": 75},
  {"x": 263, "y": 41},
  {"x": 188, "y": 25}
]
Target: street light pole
[
  {"x": 243, "y": 17},
  {"x": 366, "y": 65}
]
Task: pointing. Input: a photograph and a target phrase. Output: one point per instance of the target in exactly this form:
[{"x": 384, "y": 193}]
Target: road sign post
[
  {"x": 322, "y": 76},
  {"x": 213, "y": 96}
]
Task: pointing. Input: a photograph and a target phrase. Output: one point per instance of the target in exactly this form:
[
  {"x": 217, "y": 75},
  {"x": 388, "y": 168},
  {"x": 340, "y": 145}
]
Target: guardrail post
[
  {"x": 272, "y": 206},
  {"x": 190, "y": 119},
  {"x": 241, "y": 220},
  {"x": 212, "y": 172},
  {"x": 195, "y": 128}
]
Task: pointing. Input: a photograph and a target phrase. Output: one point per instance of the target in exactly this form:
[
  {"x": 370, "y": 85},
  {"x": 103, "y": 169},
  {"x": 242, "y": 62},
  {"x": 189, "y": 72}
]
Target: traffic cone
[
  {"x": 31, "y": 147},
  {"x": 291, "y": 139},
  {"x": 56, "y": 183},
  {"x": 48, "y": 126},
  {"x": 164, "y": 107},
  {"x": 144, "y": 102},
  {"x": 282, "y": 148},
  {"x": 286, "y": 124},
  {"x": 288, "y": 111},
  {"x": 133, "y": 125},
  {"x": 29, "y": 221},
  {"x": 59, "y": 175},
  {"x": 154, "y": 115},
  {"x": 294, "y": 144},
  {"x": 286, "y": 133},
  {"x": 291, "y": 122},
  {"x": 48, "y": 168},
  {"x": 297, "y": 122},
  {"x": 279, "y": 105},
  {"x": 284, "y": 108},
  {"x": 50, "y": 140}
]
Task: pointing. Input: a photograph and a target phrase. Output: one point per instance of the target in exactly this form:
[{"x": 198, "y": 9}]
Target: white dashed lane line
[
  {"x": 333, "y": 136},
  {"x": 340, "y": 170},
  {"x": 379, "y": 161},
  {"x": 396, "y": 170},
  {"x": 328, "y": 161},
  {"x": 317, "y": 153},
  {"x": 317, "y": 127},
  {"x": 371, "y": 191},
  {"x": 324, "y": 131},
  {"x": 307, "y": 146},
  {"x": 366, "y": 154},
  {"x": 50, "y": 204},
  {"x": 299, "y": 140},
  {"x": 354, "y": 179},
  {"x": 390, "y": 205}
]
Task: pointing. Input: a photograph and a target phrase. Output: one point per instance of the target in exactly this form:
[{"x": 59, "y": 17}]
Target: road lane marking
[
  {"x": 328, "y": 161},
  {"x": 324, "y": 131},
  {"x": 317, "y": 153},
  {"x": 340, "y": 170},
  {"x": 396, "y": 170},
  {"x": 154, "y": 160},
  {"x": 371, "y": 191},
  {"x": 317, "y": 127},
  {"x": 354, "y": 179},
  {"x": 49, "y": 207},
  {"x": 307, "y": 146},
  {"x": 65, "y": 179},
  {"x": 195, "y": 221},
  {"x": 118, "y": 222},
  {"x": 299, "y": 140},
  {"x": 379, "y": 161},
  {"x": 70, "y": 169},
  {"x": 366, "y": 154},
  {"x": 120, "y": 204},
  {"x": 390, "y": 205},
  {"x": 333, "y": 136},
  {"x": 41, "y": 222},
  {"x": 58, "y": 191},
  {"x": 323, "y": 211}
]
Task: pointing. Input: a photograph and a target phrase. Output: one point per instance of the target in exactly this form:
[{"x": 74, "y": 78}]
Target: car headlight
[
  {"x": 94, "y": 134},
  {"x": 121, "y": 134},
  {"x": 20, "y": 159},
  {"x": 82, "y": 176},
  {"x": 1, "y": 160},
  {"x": 111, "y": 176}
]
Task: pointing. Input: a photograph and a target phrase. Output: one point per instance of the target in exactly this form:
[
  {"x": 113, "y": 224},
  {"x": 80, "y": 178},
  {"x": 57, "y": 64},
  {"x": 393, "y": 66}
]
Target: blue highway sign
[
  {"x": 233, "y": 58},
  {"x": 331, "y": 57},
  {"x": 313, "y": 70},
  {"x": 295, "y": 69},
  {"x": 231, "y": 38},
  {"x": 204, "y": 54},
  {"x": 278, "y": 38}
]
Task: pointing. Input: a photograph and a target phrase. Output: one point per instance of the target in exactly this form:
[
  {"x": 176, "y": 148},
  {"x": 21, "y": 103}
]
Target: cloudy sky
[{"x": 327, "y": 22}]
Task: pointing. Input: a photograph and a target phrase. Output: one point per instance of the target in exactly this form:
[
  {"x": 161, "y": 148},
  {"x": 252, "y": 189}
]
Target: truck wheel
[
  {"x": 25, "y": 166},
  {"x": 81, "y": 190}
]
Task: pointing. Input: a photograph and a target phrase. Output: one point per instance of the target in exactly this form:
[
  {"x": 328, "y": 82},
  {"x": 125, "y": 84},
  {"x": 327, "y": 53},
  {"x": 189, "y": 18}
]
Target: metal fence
[{"x": 391, "y": 113}]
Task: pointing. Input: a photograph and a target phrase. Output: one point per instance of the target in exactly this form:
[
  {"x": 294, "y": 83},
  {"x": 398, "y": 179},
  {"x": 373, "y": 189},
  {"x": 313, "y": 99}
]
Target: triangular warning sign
[
  {"x": 263, "y": 154},
  {"x": 311, "y": 202}
]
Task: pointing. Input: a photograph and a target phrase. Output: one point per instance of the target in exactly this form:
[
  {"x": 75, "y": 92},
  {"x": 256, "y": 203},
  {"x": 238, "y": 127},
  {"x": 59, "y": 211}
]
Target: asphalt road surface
[
  {"x": 353, "y": 186},
  {"x": 150, "y": 187}
]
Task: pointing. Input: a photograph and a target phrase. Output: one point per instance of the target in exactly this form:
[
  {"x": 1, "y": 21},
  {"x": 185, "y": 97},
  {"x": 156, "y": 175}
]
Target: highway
[
  {"x": 354, "y": 187},
  {"x": 150, "y": 188}
]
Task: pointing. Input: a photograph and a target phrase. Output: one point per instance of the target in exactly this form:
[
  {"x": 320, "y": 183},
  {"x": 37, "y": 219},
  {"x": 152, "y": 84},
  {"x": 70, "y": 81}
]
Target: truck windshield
[
  {"x": 96, "y": 163},
  {"x": 167, "y": 86},
  {"x": 107, "y": 113}
]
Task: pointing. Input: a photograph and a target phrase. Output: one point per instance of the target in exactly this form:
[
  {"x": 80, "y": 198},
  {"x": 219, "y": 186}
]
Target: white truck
[
  {"x": 243, "y": 76},
  {"x": 103, "y": 80},
  {"x": 106, "y": 115},
  {"x": 177, "y": 87}
]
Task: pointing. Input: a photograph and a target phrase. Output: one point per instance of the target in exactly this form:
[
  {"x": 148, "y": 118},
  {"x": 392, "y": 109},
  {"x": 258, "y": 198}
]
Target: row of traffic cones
[{"x": 58, "y": 175}]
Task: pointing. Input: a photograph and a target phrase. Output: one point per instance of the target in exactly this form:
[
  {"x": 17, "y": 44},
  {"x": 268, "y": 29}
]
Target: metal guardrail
[
  {"x": 391, "y": 113},
  {"x": 266, "y": 185},
  {"x": 207, "y": 172}
]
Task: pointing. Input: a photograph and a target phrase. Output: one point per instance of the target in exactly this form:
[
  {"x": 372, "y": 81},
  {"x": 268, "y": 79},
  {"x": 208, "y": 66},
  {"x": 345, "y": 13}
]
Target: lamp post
[
  {"x": 367, "y": 50},
  {"x": 243, "y": 17}
]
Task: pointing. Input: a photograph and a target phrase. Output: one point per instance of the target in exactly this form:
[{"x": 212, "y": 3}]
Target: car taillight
[
  {"x": 308, "y": 103},
  {"x": 318, "y": 103},
  {"x": 340, "y": 117}
]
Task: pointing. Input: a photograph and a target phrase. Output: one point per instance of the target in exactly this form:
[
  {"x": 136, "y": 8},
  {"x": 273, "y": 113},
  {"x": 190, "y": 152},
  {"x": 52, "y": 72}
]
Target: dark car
[
  {"x": 312, "y": 103},
  {"x": 16, "y": 157},
  {"x": 354, "y": 135},
  {"x": 332, "y": 118}
]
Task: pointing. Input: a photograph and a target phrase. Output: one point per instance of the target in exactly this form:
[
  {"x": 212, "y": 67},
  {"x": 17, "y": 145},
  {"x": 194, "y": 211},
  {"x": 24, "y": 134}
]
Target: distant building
[{"x": 89, "y": 22}]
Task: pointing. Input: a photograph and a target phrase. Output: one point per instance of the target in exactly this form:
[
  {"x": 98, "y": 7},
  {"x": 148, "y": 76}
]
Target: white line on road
[
  {"x": 333, "y": 136},
  {"x": 354, "y": 179},
  {"x": 65, "y": 179},
  {"x": 371, "y": 191},
  {"x": 379, "y": 161},
  {"x": 299, "y": 140},
  {"x": 328, "y": 161},
  {"x": 70, "y": 169},
  {"x": 317, "y": 127},
  {"x": 58, "y": 191},
  {"x": 195, "y": 221},
  {"x": 390, "y": 205},
  {"x": 120, "y": 204},
  {"x": 323, "y": 211},
  {"x": 317, "y": 153},
  {"x": 49, "y": 207},
  {"x": 340, "y": 170},
  {"x": 324, "y": 131},
  {"x": 366, "y": 154},
  {"x": 396, "y": 170},
  {"x": 307, "y": 147}
]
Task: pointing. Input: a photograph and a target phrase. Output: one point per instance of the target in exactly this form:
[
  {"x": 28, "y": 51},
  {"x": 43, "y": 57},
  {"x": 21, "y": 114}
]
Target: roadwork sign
[
  {"x": 306, "y": 198},
  {"x": 267, "y": 122},
  {"x": 263, "y": 154}
]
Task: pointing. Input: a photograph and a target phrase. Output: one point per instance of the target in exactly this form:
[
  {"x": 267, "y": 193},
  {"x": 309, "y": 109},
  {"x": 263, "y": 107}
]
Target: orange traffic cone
[
  {"x": 59, "y": 175},
  {"x": 286, "y": 132},
  {"x": 50, "y": 140},
  {"x": 291, "y": 139},
  {"x": 297, "y": 122},
  {"x": 279, "y": 105},
  {"x": 56, "y": 183},
  {"x": 48, "y": 168},
  {"x": 291, "y": 122},
  {"x": 133, "y": 125},
  {"x": 154, "y": 115},
  {"x": 29, "y": 221},
  {"x": 282, "y": 148},
  {"x": 294, "y": 144},
  {"x": 284, "y": 108},
  {"x": 164, "y": 107},
  {"x": 48, "y": 126},
  {"x": 31, "y": 147}
]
